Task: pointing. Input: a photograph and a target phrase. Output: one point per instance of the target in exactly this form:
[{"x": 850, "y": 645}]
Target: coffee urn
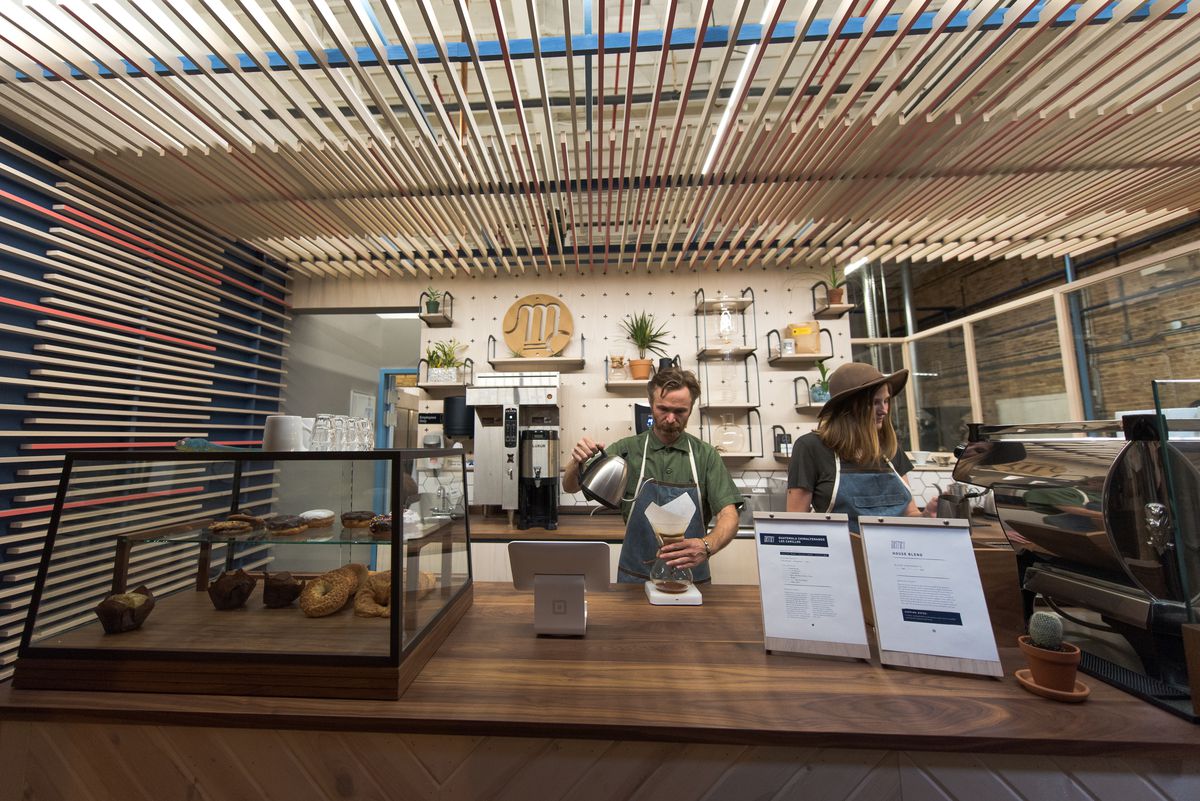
[{"x": 537, "y": 491}]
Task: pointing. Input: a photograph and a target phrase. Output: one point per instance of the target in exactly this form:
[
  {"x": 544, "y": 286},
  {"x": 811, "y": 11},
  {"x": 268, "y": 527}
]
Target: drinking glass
[
  {"x": 340, "y": 432},
  {"x": 364, "y": 434},
  {"x": 322, "y": 433}
]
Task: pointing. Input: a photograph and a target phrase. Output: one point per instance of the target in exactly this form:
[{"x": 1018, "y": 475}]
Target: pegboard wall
[{"x": 597, "y": 304}]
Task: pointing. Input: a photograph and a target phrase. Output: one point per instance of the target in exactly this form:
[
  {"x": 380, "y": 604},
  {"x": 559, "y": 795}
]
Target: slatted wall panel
[{"x": 122, "y": 325}]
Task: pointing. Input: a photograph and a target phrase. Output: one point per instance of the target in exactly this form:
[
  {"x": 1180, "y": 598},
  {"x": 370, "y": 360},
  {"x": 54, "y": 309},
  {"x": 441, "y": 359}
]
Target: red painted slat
[
  {"x": 199, "y": 265},
  {"x": 29, "y": 510},
  {"x": 21, "y": 304}
]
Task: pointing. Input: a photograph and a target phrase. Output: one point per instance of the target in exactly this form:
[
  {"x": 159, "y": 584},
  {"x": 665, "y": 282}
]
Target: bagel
[{"x": 330, "y": 592}]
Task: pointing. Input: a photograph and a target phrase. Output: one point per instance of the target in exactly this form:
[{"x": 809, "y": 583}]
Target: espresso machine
[
  {"x": 537, "y": 489},
  {"x": 1105, "y": 519}
]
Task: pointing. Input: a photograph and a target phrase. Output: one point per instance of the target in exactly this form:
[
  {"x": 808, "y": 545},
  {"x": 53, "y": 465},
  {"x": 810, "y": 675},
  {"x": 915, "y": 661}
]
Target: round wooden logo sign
[{"x": 538, "y": 325}]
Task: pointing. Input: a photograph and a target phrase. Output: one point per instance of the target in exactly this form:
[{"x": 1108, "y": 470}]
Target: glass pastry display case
[{"x": 332, "y": 574}]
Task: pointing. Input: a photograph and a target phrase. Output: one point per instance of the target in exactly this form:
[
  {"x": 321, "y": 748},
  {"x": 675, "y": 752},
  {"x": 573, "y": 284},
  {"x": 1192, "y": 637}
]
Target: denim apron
[
  {"x": 871, "y": 494},
  {"x": 640, "y": 546}
]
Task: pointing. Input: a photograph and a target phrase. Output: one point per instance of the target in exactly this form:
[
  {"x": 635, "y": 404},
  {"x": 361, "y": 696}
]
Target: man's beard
[{"x": 670, "y": 429}]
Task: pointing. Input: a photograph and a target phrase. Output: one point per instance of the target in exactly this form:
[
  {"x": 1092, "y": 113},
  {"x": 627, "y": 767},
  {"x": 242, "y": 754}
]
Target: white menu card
[
  {"x": 926, "y": 595},
  {"x": 810, "y": 599}
]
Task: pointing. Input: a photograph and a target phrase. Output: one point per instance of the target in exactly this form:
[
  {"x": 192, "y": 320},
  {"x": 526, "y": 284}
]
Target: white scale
[{"x": 690, "y": 597}]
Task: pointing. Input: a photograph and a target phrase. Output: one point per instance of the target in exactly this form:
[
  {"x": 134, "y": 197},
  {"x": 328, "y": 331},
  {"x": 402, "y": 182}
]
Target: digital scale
[{"x": 690, "y": 597}]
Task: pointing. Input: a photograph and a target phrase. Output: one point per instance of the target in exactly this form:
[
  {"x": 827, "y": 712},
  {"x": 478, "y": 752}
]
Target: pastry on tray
[
  {"x": 231, "y": 590},
  {"x": 230, "y": 527},
  {"x": 280, "y": 589},
  {"x": 359, "y": 519},
  {"x": 245, "y": 516},
  {"x": 125, "y": 611},
  {"x": 318, "y": 518},
  {"x": 330, "y": 592},
  {"x": 283, "y": 525},
  {"x": 374, "y": 596}
]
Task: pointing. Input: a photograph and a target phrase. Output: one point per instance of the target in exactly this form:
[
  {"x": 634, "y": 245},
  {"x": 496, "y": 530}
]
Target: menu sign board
[
  {"x": 810, "y": 598},
  {"x": 926, "y": 595}
]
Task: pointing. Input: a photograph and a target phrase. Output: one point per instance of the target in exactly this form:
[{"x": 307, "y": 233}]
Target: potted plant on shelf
[
  {"x": 444, "y": 359},
  {"x": 433, "y": 300},
  {"x": 837, "y": 281},
  {"x": 1052, "y": 662},
  {"x": 647, "y": 337},
  {"x": 818, "y": 393}
]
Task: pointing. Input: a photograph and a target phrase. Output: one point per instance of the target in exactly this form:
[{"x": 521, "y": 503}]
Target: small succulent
[{"x": 1046, "y": 631}]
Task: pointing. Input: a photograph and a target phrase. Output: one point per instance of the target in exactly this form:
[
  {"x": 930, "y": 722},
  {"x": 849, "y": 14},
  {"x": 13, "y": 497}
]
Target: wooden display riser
[{"x": 187, "y": 646}]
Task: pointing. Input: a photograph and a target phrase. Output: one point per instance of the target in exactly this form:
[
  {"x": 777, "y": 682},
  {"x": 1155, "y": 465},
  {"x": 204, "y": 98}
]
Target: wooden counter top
[{"x": 690, "y": 674}]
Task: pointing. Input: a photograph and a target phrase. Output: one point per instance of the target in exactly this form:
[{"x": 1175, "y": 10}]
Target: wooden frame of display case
[{"x": 341, "y": 670}]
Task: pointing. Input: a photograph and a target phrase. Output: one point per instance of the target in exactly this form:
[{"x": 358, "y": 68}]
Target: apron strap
[
  {"x": 691, "y": 460},
  {"x": 837, "y": 481}
]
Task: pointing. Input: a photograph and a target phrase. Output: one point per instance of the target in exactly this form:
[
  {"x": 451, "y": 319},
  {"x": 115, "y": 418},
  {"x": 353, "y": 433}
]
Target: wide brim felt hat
[{"x": 854, "y": 377}]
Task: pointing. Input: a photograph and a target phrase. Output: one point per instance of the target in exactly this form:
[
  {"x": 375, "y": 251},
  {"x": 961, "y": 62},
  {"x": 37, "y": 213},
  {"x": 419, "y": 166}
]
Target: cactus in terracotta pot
[
  {"x": 1052, "y": 662},
  {"x": 1046, "y": 631}
]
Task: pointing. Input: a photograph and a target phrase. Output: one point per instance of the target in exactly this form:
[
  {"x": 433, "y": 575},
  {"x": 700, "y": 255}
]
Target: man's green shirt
[{"x": 669, "y": 464}]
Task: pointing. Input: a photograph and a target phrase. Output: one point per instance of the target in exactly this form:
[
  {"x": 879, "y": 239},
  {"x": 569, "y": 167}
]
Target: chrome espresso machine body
[{"x": 1089, "y": 509}]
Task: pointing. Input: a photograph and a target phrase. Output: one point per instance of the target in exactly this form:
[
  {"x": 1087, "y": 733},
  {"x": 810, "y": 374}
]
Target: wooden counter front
[{"x": 672, "y": 674}]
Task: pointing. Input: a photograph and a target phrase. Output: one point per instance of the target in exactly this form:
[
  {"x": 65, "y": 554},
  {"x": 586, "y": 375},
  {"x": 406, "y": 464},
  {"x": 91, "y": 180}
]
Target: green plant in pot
[
  {"x": 1052, "y": 662},
  {"x": 444, "y": 357},
  {"x": 837, "y": 283},
  {"x": 647, "y": 336},
  {"x": 433, "y": 300},
  {"x": 819, "y": 391}
]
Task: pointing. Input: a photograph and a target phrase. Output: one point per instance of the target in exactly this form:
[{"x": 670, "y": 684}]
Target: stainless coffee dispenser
[
  {"x": 538, "y": 488},
  {"x": 1089, "y": 508},
  {"x": 505, "y": 406}
]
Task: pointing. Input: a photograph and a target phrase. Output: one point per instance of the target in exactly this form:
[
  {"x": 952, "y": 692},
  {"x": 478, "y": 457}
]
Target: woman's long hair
[{"x": 850, "y": 432}]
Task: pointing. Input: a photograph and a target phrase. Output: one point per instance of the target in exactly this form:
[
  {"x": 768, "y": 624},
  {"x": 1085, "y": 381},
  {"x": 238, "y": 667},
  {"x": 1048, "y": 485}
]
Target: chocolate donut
[
  {"x": 357, "y": 519},
  {"x": 285, "y": 524}
]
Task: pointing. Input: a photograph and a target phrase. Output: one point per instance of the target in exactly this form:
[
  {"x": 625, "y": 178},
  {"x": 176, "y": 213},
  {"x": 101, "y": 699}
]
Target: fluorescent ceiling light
[
  {"x": 855, "y": 266},
  {"x": 398, "y": 315},
  {"x": 736, "y": 94}
]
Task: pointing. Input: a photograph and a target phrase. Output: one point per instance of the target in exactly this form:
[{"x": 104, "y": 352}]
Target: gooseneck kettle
[{"x": 602, "y": 479}]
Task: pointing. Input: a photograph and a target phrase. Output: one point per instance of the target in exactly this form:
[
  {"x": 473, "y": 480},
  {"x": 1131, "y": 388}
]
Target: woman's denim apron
[{"x": 868, "y": 494}]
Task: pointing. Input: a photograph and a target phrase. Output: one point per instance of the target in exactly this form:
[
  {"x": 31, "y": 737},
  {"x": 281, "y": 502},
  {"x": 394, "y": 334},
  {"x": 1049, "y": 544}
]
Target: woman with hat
[{"x": 852, "y": 463}]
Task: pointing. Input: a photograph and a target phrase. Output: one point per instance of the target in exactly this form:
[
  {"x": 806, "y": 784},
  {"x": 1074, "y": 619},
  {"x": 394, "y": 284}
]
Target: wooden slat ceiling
[{"x": 913, "y": 129}]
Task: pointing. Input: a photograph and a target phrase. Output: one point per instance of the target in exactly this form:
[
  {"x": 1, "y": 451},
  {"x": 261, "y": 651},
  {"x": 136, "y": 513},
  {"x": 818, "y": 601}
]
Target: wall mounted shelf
[
  {"x": 822, "y": 308},
  {"x": 518, "y": 364},
  {"x": 832, "y": 312},
  {"x": 776, "y": 357},
  {"x": 443, "y": 317}
]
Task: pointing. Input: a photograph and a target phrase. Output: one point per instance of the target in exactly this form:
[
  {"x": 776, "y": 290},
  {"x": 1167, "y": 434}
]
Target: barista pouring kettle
[
  {"x": 852, "y": 463},
  {"x": 664, "y": 463}
]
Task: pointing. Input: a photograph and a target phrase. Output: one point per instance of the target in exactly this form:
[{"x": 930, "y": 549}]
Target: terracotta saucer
[{"x": 1081, "y": 691}]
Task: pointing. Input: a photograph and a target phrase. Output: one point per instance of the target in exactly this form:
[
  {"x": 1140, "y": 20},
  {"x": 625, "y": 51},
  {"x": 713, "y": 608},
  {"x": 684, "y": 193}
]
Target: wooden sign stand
[
  {"x": 926, "y": 595},
  {"x": 806, "y": 578}
]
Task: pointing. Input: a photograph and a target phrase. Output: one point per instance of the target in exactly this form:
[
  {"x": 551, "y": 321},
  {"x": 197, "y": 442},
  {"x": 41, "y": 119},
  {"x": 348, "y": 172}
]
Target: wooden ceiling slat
[{"x": 1023, "y": 138}]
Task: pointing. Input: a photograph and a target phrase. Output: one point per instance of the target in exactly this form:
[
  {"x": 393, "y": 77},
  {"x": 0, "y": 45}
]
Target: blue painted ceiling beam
[{"x": 614, "y": 43}]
